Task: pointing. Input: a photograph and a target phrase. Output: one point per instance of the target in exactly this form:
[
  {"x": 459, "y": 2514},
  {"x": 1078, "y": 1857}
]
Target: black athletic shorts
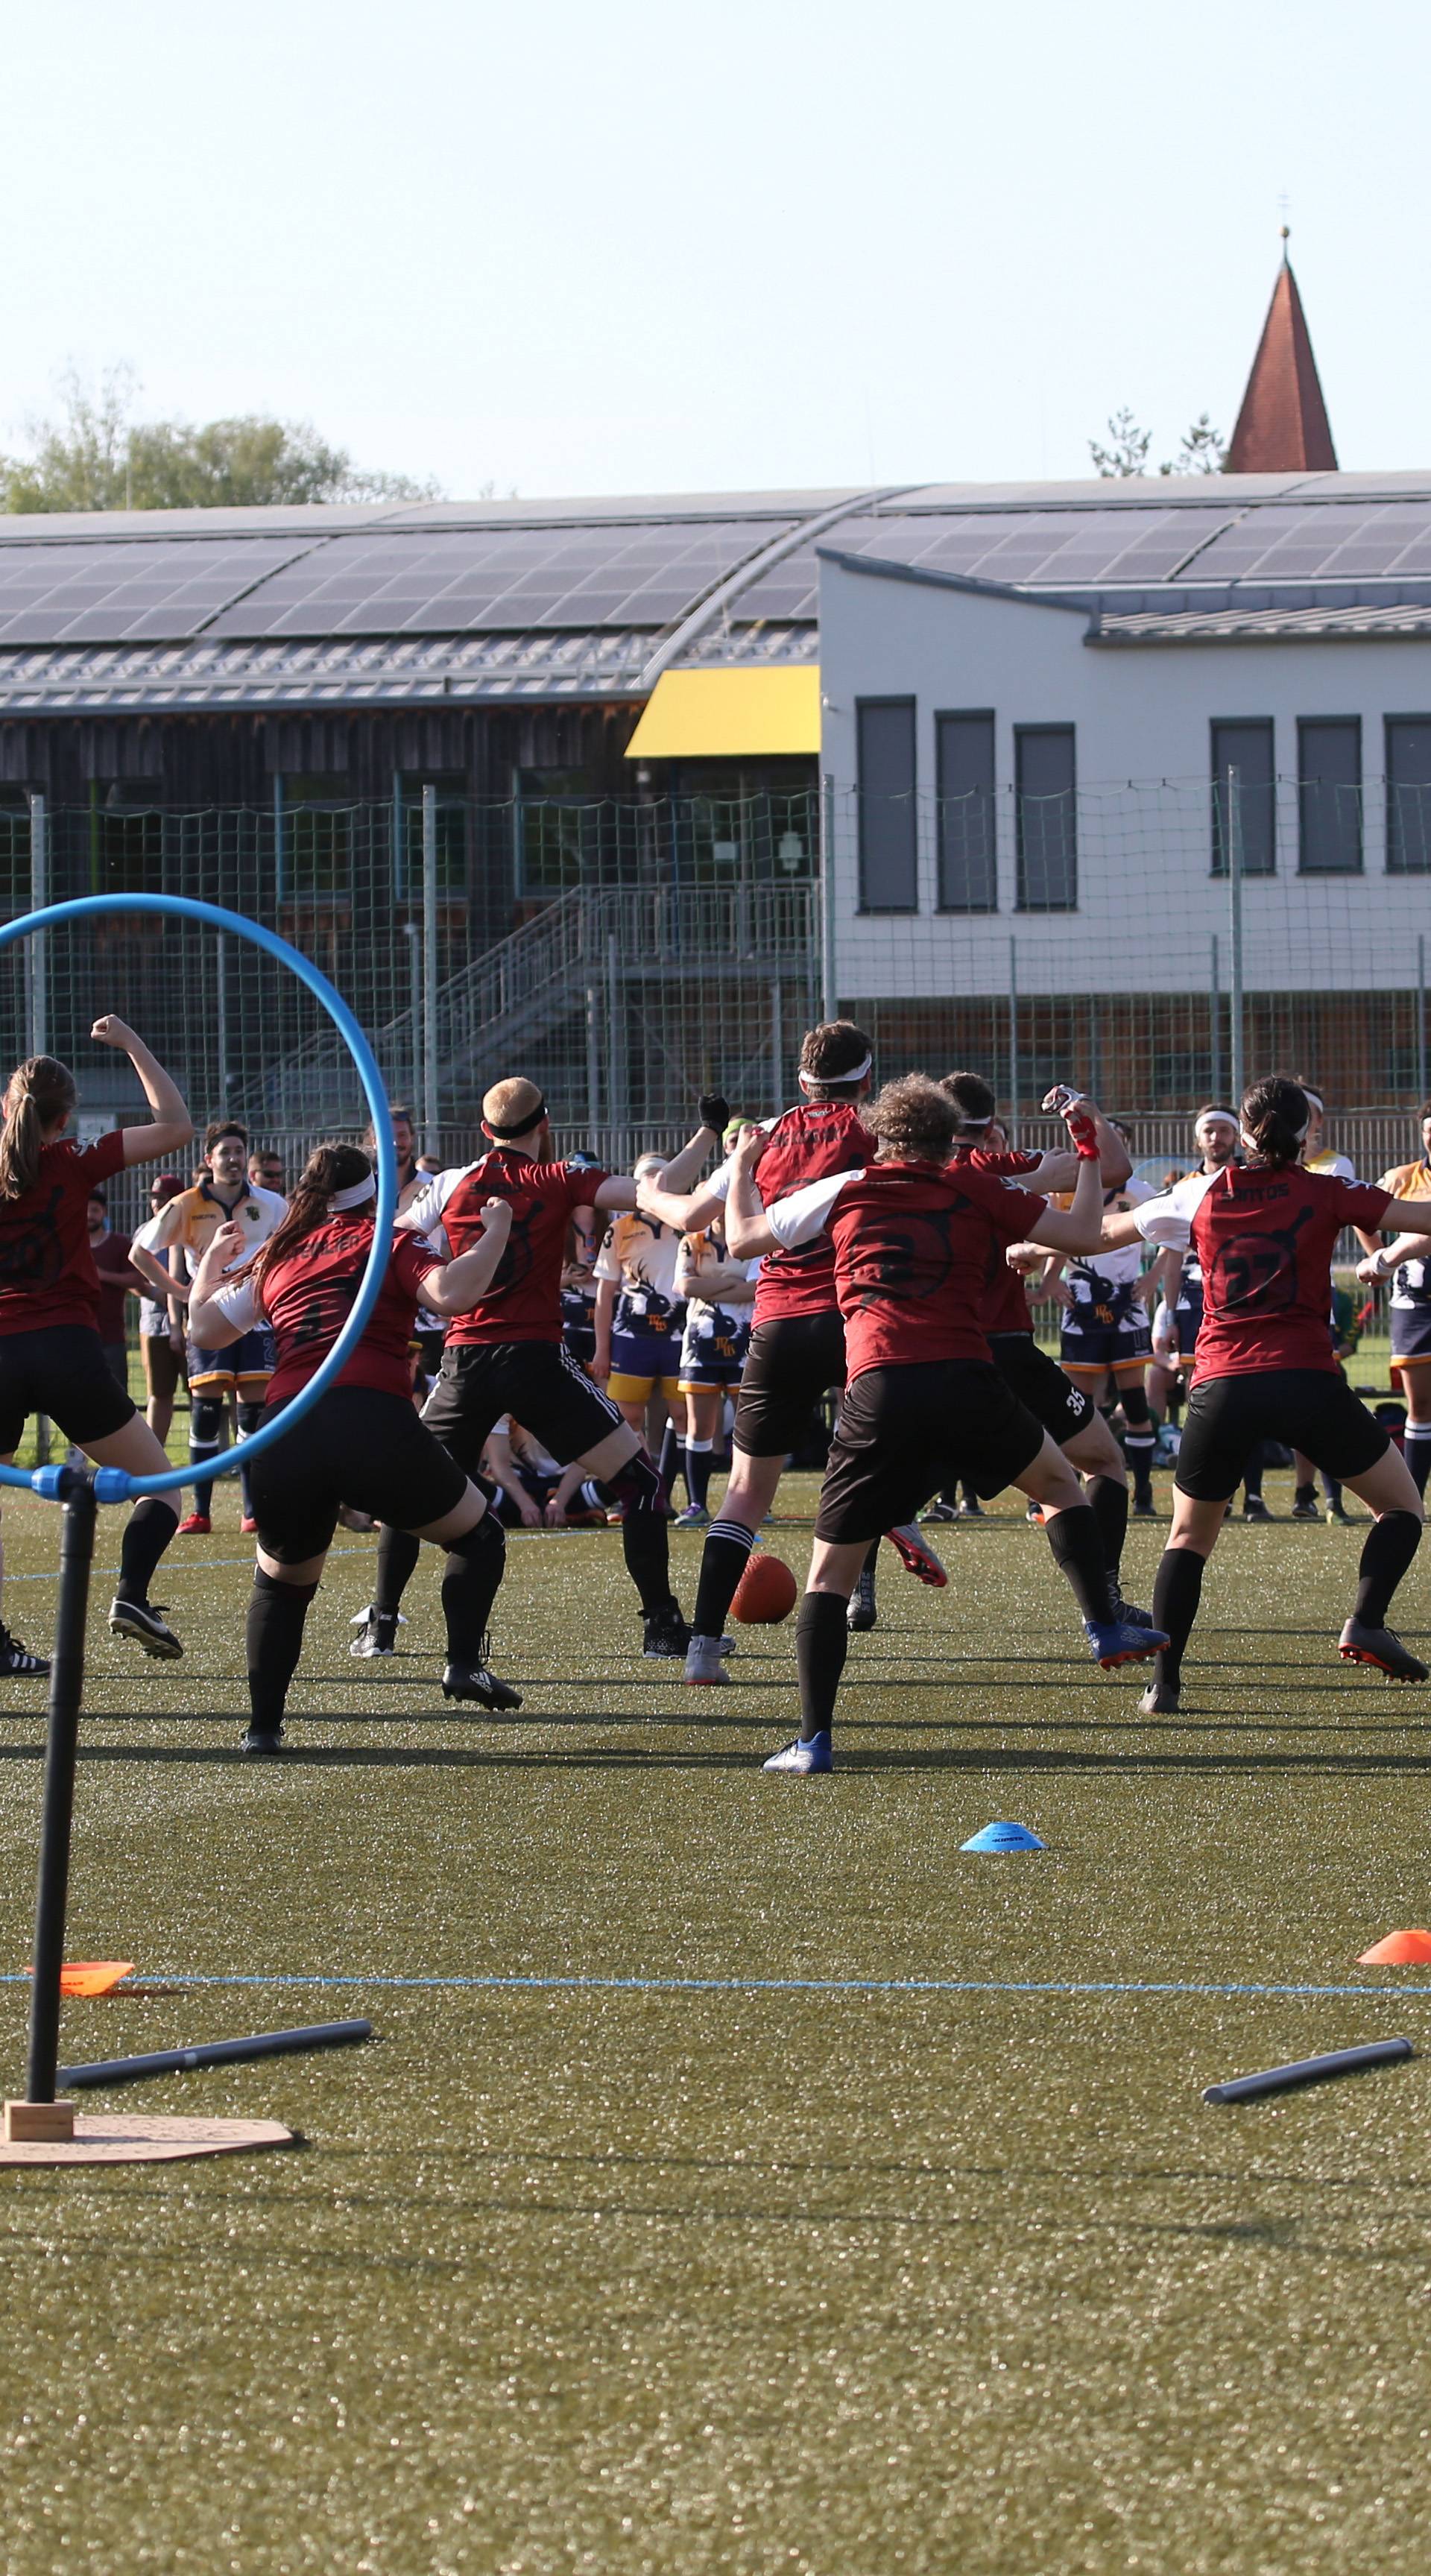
[
  {"x": 1039, "y": 1382},
  {"x": 61, "y": 1371},
  {"x": 1313, "y": 1410},
  {"x": 904, "y": 1432},
  {"x": 538, "y": 1383},
  {"x": 794, "y": 1361},
  {"x": 357, "y": 1446}
]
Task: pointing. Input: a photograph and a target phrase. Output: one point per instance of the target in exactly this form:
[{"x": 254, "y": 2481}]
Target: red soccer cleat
[
  {"x": 917, "y": 1556},
  {"x": 198, "y": 1525}
]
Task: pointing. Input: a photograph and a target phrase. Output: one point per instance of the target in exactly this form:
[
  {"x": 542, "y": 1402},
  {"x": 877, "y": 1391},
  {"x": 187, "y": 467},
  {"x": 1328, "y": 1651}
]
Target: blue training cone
[{"x": 1002, "y": 1838}]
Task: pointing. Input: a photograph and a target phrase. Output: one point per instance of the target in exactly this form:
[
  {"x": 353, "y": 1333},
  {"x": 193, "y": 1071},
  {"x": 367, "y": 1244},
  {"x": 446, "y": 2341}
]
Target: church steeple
[{"x": 1282, "y": 427}]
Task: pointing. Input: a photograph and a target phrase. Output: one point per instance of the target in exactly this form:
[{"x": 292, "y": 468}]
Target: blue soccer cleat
[
  {"x": 804, "y": 1756},
  {"x": 1117, "y": 1641}
]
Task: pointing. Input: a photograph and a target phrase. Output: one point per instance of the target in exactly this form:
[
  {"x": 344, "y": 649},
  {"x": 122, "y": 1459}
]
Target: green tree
[
  {"x": 1203, "y": 450},
  {"x": 1127, "y": 451},
  {"x": 96, "y": 456}
]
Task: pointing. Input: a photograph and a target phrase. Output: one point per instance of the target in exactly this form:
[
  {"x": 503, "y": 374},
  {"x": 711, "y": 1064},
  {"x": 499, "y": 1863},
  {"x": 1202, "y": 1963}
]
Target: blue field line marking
[{"x": 770, "y": 1985}]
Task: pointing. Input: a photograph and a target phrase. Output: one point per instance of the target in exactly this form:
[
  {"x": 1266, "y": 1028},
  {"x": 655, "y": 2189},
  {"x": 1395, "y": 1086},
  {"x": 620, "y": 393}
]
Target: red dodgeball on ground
[{"x": 767, "y": 1592}]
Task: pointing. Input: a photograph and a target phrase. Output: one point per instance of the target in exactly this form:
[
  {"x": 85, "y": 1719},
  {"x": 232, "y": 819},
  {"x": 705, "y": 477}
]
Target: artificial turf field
[{"x": 741, "y": 2274}]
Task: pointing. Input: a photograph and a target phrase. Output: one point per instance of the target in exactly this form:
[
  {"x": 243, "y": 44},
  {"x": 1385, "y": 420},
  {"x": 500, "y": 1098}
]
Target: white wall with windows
[{"x": 993, "y": 775}]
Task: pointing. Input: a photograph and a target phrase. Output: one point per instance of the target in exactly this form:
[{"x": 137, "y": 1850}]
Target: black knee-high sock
[
  {"x": 274, "y": 1638},
  {"x": 250, "y": 1420},
  {"x": 1176, "y": 1594},
  {"x": 1108, "y": 1502},
  {"x": 1390, "y": 1546},
  {"x": 673, "y": 1455},
  {"x": 645, "y": 1542},
  {"x": 147, "y": 1533},
  {"x": 1416, "y": 1450},
  {"x": 1252, "y": 1473},
  {"x": 1140, "y": 1441},
  {"x": 472, "y": 1571},
  {"x": 822, "y": 1639},
  {"x": 723, "y": 1562},
  {"x": 698, "y": 1471},
  {"x": 206, "y": 1431},
  {"x": 1078, "y": 1553},
  {"x": 398, "y": 1552}
]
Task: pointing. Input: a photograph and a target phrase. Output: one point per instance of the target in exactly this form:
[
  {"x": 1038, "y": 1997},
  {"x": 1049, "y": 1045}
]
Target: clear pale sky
[{"x": 651, "y": 248}]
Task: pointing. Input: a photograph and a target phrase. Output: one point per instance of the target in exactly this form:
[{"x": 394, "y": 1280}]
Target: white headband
[
  {"x": 829, "y": 1081},
  {"x": 1318, "y": 1104},
  {"x": 1220, "y": 1117},
  {"x": 357, "y": 1196}
]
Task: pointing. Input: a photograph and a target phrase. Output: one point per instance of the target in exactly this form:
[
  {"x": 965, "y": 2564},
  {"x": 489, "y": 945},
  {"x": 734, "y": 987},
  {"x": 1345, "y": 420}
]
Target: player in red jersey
[
  {"x": 797, "y": 1341},
  {"x": 915, "y": 1237},
  {"x": 1068, "y": 1415},
  {"x": 1264, "y": 1232},
  {"x": 362, "y": 1441},
  {"x": 507, "y": 1356},
  {"x": 51, "y": 1357}
]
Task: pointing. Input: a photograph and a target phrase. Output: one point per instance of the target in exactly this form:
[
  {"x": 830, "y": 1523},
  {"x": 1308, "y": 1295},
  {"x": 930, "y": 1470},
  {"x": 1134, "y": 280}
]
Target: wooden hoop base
[{"x": 140, "y": 2138}]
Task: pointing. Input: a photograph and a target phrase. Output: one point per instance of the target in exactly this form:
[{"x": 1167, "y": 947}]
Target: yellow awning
[{"x": 729, "y": 715}]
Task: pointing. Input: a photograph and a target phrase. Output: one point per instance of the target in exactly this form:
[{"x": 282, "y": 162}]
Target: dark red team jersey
[
  {"x": 308, "y": 1294},
  {"x": 523, "y": 1302},
  {"x": 1265, "y": 1241},
  {"x": 913, "y": 1246},
  {"x": 47, "y": 1272},
  {"x": 807, "y": 1144},
  {"x": 1006, "y": 1306}
]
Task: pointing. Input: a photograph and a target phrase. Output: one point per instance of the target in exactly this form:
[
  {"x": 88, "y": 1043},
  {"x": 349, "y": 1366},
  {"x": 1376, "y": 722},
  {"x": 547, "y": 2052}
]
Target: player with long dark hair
[
  {"x": 362, "y": 1442},
  {"x": 51, "y": 1357},
  {"x": 1264, "y": 1231},
  {"x": 914, "y": 1238}
]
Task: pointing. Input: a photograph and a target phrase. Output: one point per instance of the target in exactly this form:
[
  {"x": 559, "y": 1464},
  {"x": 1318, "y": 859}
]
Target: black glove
[{"x": 715, "y": 1112}]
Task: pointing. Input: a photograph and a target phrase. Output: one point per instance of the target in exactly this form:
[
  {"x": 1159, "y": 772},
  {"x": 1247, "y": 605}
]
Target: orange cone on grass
[{"x": 1399, "y": 1950}]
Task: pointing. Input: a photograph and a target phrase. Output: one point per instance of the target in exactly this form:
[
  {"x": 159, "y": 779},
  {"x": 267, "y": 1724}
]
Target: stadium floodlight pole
[
  {"x": 829, "y": 1005},
  {"x": 1421, "y": 1017},
  {"x": 1214, "y": 1023},
  {"x": 429, "y": 968},
  {"x": 1234, "y": 899},
  {"x": 38, "y": 1033},
  {"x": 39, "y": 2117},
  {"x": 1012, "y": 1120}
]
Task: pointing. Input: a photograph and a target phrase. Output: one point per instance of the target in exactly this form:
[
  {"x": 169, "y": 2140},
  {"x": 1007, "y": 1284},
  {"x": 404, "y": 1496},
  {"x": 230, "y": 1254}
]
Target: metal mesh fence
[{"x": 1151, "y": 940}]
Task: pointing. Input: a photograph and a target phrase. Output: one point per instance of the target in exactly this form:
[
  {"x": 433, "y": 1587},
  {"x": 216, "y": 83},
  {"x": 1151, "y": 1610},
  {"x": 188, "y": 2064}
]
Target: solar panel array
[
  {"x": 446, "y": 582},
  {"x": 157, "y": 588},
  {"x": 647, "y": 575}
]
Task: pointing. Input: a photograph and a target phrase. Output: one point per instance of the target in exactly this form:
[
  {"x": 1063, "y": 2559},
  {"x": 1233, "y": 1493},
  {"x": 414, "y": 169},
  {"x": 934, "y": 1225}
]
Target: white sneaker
[
  {"x": 816, "y": 1755},
  {"x": 703, "y": 1661}
]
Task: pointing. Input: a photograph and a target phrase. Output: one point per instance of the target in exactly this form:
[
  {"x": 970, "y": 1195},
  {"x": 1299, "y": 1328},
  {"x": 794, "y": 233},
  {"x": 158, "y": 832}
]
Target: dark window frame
[
  {"x": 1024, "y": 733},
  {"x": 1394, "y": 866},
  {"x": 965, "y": 715},
  {"x": 863, "y": 706},
  {"x": 1219, "y": 859},
  {"x": 1324, "y": 724}
]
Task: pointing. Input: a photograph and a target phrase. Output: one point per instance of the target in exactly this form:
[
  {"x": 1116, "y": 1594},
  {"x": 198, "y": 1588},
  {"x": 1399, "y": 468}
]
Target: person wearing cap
[
  {"x": 161, "y": 1333},
  {"x": 505, "y": 1354}
]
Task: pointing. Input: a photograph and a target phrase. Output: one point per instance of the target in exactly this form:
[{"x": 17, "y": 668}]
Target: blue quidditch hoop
[{"x": 114, "y": 1484}]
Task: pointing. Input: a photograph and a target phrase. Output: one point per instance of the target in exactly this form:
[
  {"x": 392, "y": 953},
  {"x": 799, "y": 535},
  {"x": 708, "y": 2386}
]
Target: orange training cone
[
  {"x": 98, "y": 1976},
  {"x": 1399, "y": 1950}
]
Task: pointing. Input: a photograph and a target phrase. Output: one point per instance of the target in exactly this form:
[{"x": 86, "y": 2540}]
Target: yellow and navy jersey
[
  {"x": 189, "y": 1222},
  {"x": 640, "y": 1255}
]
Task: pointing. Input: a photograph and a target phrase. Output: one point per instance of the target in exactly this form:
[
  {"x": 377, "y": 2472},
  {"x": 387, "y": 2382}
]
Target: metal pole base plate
[{"x": 126, "y": 2138}]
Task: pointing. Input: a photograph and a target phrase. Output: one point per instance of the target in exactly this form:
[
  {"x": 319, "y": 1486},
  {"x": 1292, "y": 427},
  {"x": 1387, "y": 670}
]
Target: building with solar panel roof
[{"x": 984, "y": 763}]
